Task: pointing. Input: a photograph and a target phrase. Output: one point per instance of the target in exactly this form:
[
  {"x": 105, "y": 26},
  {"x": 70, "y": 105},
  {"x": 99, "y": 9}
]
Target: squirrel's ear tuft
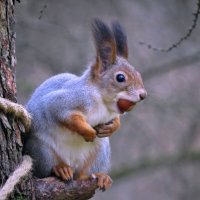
[
  {"x": 121, "y": 39},
  {"x": 105, "y": 43}
]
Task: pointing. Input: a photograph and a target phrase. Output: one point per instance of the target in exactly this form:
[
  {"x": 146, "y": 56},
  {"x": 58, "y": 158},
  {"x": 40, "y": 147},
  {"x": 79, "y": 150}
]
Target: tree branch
[
  {"x": 183, "y": 38},
  {"x": 53, "y": 188}
]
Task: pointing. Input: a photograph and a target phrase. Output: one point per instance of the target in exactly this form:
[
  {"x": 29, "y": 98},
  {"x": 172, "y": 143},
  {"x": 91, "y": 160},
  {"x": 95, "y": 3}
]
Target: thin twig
[{"x": 183, "y": 38}]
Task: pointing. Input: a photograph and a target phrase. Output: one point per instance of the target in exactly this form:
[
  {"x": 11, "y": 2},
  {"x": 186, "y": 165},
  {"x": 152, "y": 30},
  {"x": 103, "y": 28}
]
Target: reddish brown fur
[
  {"x": 77, "y": 123},
  {"x": 95, "y": 70},
  {"x": 134, "y": 77}
]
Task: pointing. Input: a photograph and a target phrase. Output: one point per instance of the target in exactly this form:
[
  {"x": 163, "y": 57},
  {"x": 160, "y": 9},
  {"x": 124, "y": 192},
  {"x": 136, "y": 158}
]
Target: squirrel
[{"x": 73, "y": 116}]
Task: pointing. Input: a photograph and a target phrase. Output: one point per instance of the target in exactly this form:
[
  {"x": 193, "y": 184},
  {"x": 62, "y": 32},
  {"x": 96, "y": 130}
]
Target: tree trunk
[
  {"x": 10, "y": 134},
  {"x": 10, "y": 139}
]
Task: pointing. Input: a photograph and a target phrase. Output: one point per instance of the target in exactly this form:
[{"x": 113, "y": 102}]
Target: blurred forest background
[{"x": 156, "y": 152}]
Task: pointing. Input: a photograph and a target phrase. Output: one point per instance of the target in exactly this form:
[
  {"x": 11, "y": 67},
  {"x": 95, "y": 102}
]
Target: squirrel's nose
[{"x": 143, "y": 95}]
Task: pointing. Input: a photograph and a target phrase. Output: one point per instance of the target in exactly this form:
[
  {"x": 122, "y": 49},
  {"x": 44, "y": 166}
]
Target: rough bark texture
[
  {"x": 10, "y": 140},
  {"x": 52, "y": 188}
]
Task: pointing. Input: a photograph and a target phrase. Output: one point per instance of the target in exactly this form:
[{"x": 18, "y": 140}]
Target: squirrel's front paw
[{"x": 106, "y": 130}]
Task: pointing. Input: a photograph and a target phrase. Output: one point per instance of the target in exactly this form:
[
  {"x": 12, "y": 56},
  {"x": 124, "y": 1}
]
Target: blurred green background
[{"x": 155, "y": 153}]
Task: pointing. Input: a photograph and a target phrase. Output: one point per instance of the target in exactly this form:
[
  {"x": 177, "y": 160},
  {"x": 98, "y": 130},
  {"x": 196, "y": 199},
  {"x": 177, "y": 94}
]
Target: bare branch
[
  {"x": 185, "y": 37},
  {"x": 52, "y": 188}
]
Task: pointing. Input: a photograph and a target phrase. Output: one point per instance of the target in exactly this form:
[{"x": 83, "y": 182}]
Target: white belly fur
[{"x": 71, "y": 147}]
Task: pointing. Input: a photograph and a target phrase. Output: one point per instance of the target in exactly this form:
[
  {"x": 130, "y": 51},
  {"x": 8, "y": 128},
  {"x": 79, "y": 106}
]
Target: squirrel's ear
[
  {"x": 121, "y": 39},
  {"x": 105, "y": 43}
]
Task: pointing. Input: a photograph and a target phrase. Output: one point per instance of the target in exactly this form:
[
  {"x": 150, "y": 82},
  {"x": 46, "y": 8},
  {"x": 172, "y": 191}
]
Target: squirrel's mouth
[{"x": 125, "y": 105}]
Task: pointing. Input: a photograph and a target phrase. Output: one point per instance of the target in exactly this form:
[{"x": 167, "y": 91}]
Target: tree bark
[
  {"x": 10, "y": 134},
  {"x": 51, "y": 188},
  {"x": 10, "y": 140}
]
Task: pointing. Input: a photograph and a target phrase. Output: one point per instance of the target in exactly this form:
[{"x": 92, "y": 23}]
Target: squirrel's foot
[
  {"x": 104, "y": 181},
  {"x": 106, "y": 130},
  {"x": 63, "y": 171}
]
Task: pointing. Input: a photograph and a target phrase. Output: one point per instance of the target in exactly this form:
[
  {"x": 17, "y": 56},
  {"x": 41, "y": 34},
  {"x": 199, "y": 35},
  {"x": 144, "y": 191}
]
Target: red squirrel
[{"x": 72, "y": 116}]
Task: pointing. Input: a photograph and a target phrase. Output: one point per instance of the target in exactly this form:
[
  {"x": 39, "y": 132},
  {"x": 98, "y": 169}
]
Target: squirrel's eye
[{"x": 120, "y": 78}]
